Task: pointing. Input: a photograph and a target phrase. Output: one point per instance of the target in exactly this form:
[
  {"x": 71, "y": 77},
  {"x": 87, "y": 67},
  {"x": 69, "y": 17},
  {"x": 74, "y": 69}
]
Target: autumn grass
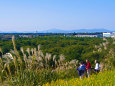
[
  {"x": 106, "y": 78},
  {"x": 32, "y": 67}
]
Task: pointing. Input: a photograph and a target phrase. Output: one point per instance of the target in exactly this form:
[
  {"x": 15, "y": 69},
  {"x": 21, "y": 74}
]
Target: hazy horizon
[{"x": 40, "y": 15}]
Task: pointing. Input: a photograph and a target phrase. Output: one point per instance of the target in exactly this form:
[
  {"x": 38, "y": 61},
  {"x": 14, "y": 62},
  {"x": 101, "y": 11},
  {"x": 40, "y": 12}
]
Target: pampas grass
[
  {"x": 108, "y": 61},
  {"x": 29, "y": 65}
]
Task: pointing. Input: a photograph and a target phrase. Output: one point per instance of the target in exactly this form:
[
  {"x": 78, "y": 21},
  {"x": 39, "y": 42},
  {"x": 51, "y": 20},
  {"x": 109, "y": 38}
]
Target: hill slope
[{"x": 102, "y": 79}]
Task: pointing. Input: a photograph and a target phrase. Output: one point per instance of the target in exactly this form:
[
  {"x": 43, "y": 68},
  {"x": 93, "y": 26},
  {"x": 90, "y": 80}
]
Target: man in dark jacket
[{"x": 81, "y": 70}]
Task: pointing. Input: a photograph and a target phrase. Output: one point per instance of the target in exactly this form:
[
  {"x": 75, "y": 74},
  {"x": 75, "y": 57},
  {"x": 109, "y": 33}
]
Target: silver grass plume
[
  {"x": 101, "y": 45},
  {"x": 16, "y": 52},
  {"x": 35, "y": 52},
  {"x": 94, "y": 51},
  {"x": 32, "y": 50},
  {"x": 54, "y": 57},
  {"x": 41, "y": 53},
  {"x": 25, "y": 58},
  {"x": 49, "y": 57},
  {"x": 62, "y": 58},
  {"x": 99, "y": 50},
  {"x": 22, "y": 50},
  {"x": 39, "y": 59},
  {"x": 28, "y": 51},
  {"x": 12, "y": 51},
  {"x": 39, "y": 46},
  {"x": 46, "y": 58}
]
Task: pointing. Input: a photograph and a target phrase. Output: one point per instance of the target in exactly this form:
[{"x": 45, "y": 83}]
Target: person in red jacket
[{"x": 88, "y": 67}]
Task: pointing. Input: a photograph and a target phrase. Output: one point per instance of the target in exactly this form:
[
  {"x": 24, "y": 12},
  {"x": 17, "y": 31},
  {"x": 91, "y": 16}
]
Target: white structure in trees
[{"x": 109, "y": 34}]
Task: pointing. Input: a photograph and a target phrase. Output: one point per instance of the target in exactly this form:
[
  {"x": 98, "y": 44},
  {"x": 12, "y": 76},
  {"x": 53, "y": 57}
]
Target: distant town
[{"x": 31, "y": 35}]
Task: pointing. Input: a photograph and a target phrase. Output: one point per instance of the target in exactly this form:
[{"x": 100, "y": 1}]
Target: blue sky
[{"x": 32, "y": 15}]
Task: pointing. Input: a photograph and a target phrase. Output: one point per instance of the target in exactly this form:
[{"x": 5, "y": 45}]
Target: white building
[
  {"x": 86, "y": 35},
  {"x": 113, "y": 35},
  {"x": 27, "y": 36},
  {"x": 107, "y": 34}
]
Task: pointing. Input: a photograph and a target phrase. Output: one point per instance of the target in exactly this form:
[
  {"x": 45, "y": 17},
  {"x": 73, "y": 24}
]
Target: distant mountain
[
  {"x": 92, "y": 30},
  {"x": 54, "y": 30},
  {"x": 18, "y": 32},
  {"x": 77, "y": 31}
]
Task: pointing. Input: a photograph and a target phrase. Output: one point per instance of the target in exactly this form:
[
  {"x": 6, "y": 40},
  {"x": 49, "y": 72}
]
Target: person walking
[
  {"x": 88, "y": 67},
  {"x": 81, "y": 70},
  {"x": 96, "y": 66}
]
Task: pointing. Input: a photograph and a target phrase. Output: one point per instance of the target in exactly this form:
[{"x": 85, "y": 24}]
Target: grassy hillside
[
  {"x": 31, "y": 66},
  {"x": 106, "y": 78}
]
